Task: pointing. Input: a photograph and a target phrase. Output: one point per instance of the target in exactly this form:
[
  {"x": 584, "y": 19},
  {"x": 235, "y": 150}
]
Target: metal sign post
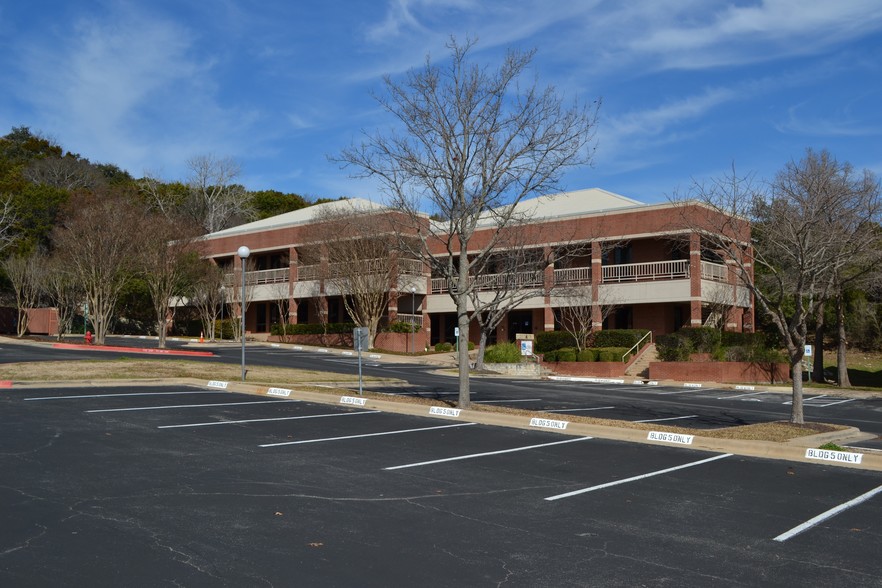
[{"x": 361, "y": 340}]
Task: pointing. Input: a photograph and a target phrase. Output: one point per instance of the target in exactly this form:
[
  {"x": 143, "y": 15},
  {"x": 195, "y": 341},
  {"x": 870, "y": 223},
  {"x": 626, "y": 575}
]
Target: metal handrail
[{"x": 637, "y": 344}]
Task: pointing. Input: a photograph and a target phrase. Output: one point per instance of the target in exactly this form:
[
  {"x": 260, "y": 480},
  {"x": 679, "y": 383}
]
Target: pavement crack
[{"x": 27, "y": 542}]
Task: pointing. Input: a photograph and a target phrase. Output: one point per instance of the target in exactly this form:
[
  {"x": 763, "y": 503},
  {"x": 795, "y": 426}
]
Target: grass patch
[{"x": 127, "y": 368}]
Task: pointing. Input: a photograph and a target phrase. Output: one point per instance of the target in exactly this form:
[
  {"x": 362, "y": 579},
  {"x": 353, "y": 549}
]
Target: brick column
[
  {"x": 548, "y": 284},
  {"x": 596, "y": 281},
  {"x": 695, "y": 280},
  {"x": 293, "y": 264}
]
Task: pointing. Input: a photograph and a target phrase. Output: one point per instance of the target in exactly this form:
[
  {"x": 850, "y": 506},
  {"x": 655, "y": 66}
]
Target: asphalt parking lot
[{"x": 186, "y": 486}]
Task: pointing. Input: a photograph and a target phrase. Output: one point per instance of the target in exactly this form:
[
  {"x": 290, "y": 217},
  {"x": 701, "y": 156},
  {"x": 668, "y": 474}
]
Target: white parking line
[
  {"x": 191, "y": 405},
  {"x": 580, "y": 409},
  {"x": 515, "y": 400},
  {"x": 366, "y": 435},
  {"x": 640, "y": 477},
  {"x": 127, "y": 394},
  {"x": 826, "y": 515},
  {"x": 311, "y": 416},
  {"x": 691, "y": 416},
  {"x": 808, "y": 400},
  {"x": 740, "y": 396},
  {"x": 837, "y": 402},
  {"x": 474, "y": 455}
]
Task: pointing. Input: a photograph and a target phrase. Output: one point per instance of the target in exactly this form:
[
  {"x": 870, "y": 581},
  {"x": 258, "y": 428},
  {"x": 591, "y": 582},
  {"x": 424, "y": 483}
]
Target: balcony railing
[
  {"x": 650, "y": 271},
  {"x": 495, "y": 281},
  {"x": 572, "y": 275},
  {"x": 612, "y": 274},
  {"x": 411, "y": 319},
  {"x": 271, "y": 276},
  {"x": 714, "y": 271},
  {"x": 410, "y": 267},
  {"x": 630, "y": 272}
]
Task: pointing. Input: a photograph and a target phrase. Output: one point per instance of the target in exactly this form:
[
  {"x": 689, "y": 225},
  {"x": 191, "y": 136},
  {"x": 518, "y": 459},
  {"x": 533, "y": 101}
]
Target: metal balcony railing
[
  {"x": 649, "y": 271},
  {"x": 271, "y": 276}
]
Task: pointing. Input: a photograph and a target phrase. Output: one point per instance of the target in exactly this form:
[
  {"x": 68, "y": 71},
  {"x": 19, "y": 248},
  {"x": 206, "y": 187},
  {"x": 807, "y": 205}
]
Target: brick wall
[{"x": 730, "y": 372}]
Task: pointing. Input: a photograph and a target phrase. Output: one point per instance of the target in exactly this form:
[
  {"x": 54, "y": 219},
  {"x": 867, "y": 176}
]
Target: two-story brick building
[{"x": 645, "y": 261}]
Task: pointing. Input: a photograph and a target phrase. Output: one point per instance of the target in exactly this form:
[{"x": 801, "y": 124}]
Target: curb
[
  {"x": 790, "y": 451},
  {"x": 145, "y": 350}
]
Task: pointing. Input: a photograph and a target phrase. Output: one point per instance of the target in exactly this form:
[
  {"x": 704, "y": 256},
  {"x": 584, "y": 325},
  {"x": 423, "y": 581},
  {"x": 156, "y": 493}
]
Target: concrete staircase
[{"x": 640, "y": 368}]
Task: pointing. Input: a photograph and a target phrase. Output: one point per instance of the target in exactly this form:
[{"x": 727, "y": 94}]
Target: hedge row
[
  {"x": 312, "y": 329},
  {"x": 335, "y": 328},
  {"x": 720, "y": 345},
  {"x": 592, "y": 354},
  {"x": 553, "y": 340}
]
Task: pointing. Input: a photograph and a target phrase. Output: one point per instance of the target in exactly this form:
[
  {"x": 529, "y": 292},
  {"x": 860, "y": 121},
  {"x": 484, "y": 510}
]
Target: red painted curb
[
  {"x": 5, "y": 383},
  {"x": 147, "y": 350}
]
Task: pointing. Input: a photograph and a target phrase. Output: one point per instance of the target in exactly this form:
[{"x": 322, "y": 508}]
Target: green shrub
[
  {"x": 606, "y": 355},
  {"x": 626, "y": 338},
  {"x": 401, "y": 327},
  {"x": 566, "y": 354},
  {"x": 550, "y": 356},
  {"x": 503, "y": 353},
  {"x": 223, "y": 329},
  {"x": 734, "y": 339},
  {"x": 471, "y": 346},
  {"x": 587, "y": 355},
  {"x": 673, "y": 347},
  {"x": 703, "y": 339},
  {"x": 553, "y": 340},
  {"x": 441, "y": 347}
]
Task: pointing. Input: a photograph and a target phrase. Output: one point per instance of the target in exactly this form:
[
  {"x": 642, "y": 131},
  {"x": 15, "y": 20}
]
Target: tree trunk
[
  {"x": 818, "y": 369},
  {"x": 463, "y": 350},
  {"x": 482, "y": 347},
  {"x": 160, "y": 328},
  {"x": 841, "y": 361},
  {"x": 796, "y": 412}
]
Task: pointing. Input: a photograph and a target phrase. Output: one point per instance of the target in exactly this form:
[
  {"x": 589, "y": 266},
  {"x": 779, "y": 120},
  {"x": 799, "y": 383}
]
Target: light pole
[
  {"x": 243, "y": 254},
  {"x": 413, "y": 314}
]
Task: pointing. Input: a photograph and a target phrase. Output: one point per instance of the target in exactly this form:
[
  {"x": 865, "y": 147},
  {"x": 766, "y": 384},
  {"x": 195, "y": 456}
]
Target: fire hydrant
[{"x": 88, "y": 337}]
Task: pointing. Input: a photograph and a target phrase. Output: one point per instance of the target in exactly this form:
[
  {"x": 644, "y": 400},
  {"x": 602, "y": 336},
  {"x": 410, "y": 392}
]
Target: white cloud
[{"x": 759, "y": 32}]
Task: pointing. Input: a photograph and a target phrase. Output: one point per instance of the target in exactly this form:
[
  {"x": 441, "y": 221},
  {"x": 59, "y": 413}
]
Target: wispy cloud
[{"x": 770, "y": 29}]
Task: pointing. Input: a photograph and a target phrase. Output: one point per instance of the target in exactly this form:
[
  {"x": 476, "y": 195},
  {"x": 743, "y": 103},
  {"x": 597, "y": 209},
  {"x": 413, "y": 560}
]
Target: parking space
[{"x": 163, "y": 485}]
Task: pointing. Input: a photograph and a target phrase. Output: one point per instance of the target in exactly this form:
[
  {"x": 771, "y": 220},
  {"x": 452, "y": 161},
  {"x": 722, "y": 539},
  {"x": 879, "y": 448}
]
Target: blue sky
[{"x": 688, "y": 87}]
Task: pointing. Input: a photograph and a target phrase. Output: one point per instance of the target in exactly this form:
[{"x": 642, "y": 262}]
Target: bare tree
[
  {"x": 808, "y": 225},
  {"x": 207, "y": 295},
  {"x": 8, "y": 219},
  {"x": 281, "y": 294},
  {"x": 167, "y": 258},
  {"x": 233, "y": 294},
  {"x": 98, "y": 241},
  {"x": 26, "y": 273},
  {"x": 578, "y": 310},
  {"x": 215, "y": 202},
  {"x": 474, "y": 144},
  {"x": 68, "y": 173},
  {"x": 64, "y": 293},
  {"x": 357, "y": 257},
  {"x": 167, "y": 199},
  {"x": 517, "y": 275}
]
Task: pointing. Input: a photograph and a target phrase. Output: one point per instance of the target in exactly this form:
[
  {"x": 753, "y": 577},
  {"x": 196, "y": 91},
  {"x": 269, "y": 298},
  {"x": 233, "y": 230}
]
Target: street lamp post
[
  {"x": 413, "y": 318},
  {"x": 243, "y": 254}
]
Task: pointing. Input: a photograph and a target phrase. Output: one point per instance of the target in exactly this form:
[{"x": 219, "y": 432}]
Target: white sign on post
[
  {"x": 808, "y": 350},
  {"x": 526, "y": 348}
]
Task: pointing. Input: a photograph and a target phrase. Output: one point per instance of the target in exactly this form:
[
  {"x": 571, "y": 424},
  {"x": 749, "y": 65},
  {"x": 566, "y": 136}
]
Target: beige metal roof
[
  {"x": 564, "y": 204},
  {"x": 298, "y": 217},
  {"x": 578, "y": 202}
]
